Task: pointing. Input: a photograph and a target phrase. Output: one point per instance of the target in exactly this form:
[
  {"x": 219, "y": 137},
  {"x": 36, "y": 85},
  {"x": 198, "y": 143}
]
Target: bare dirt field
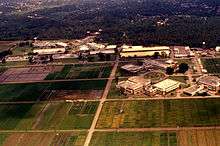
[
  {"x": 76, "y": 94},
  {"x": 28, "y": 74},
  {"x": 199, "y": 137}
]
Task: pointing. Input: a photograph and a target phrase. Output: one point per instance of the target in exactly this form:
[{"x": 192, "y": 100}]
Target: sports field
[
  {"x": 35, "y": 91},
  {"x": 134, "y": 139},
  {"x": 43, "y": 139},
  {"x": 212, "y": 65},
  {"x": 80, "y": 71},
  {"x": 161, "y": 113}
]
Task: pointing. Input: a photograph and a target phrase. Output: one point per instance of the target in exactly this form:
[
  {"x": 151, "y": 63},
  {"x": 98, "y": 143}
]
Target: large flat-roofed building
[
  {"x": 141, "y": 51},
  {"x": 134, "y": 85},
  {"x": 166, "y": 86},
  {"x": 182, "y": 51},
  {"x": 49, "y": 51},
  {"x": 210, "y": 82}
]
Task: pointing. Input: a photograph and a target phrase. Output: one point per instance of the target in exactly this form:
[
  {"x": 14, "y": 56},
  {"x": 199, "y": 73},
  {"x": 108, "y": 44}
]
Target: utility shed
[{"x": 166, "y": 86}]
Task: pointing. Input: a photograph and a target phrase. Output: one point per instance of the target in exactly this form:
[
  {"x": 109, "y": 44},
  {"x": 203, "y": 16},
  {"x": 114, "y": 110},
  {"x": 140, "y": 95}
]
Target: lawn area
[
  {"x": 161, "y": 113},
  {"x": 18, "y": 116},
  {"x": 134, "y": 139},
  {"x": 114, "y": 93},
  {"x": 22, "y": 50},
  {"x": 82, "y": 72},
  {"x": 212, "y": 65},
  {"x": 182, "y": 79},
  {"x": 3, "y": 137},
  {"x": 43, "y": 139},
  {"x": 35, "y": 91},
  {"x": 15, "y": 63},
  {"x": 77, "y": 115},
  {"x": 187, "y": 61}
]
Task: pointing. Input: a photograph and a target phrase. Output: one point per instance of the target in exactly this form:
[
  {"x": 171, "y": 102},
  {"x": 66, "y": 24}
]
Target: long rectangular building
[{"x": 141, "y": 51}]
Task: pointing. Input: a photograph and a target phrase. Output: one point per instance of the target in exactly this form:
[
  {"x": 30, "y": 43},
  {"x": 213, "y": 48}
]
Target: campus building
[
  {"x": 141, "y": 51},
  {"x": 45, "y": 51},
  {"x": 134, "y": 85},
  {"x": 166, "y": 86},
  {"x": 182, "y": 51},
  {"x": 212, "y": 83}
]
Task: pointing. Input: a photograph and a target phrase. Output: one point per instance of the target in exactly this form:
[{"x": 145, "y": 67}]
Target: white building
[
  {"x": 166, "y": 86},
  {"x": 49, "y": 51},
  {"x": 141, "y": 51}
]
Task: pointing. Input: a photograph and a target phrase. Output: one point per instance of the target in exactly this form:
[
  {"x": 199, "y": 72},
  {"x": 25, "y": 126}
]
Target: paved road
[{"x": 102, "y": 100}]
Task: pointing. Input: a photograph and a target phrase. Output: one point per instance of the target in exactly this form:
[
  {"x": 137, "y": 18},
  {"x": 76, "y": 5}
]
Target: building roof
[
  {"x": 133, "y": 83},
  {"x": 111, "y": 47},
  {"x": 209, "y": 80},
  {"x": 166, "y": 84},
  {"x": 132, "y": 68},
  {"x": 142, "y": 48},
  {"x": 180, "y": 51},
  {"x": 193, "y": 89}
]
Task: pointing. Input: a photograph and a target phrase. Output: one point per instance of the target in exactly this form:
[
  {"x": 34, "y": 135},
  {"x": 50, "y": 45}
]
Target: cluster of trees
[
  {"x": 182, "y": 68},
  {"x": 117, "y": 19}
]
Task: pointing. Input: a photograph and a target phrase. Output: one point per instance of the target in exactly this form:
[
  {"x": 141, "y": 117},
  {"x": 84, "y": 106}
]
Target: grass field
[
  {"x": 82, "y": 72},
  {"x": 35, "y": 91},
  {"x": 134, "y": 139},
  {"x": 114, "y": 92},
  {"x": 18, "y": 116},
  {"x": 43, "y": 139},
  {"x": 162, "y": 113},
  {"x": 182, "y": 79},
  {"x": 212, "y": 65},
  {"x": 78, "y": 115}
]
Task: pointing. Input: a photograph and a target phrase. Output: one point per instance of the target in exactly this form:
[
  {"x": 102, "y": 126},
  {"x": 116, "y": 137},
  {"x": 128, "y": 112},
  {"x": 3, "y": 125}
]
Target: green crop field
[
  {"x": 212, "y": 65},
  {"x": 161, "y": 113},
  {"x": 77, "y": 115},
  {"x": 79, "y": 71},
  {"x": 34, "y": 91},
  {"x": 18, "y": 116},
  {"x": 3, "y": 137},
  {"x": 114, "y": 93},
  {"x": 43, "y": 139},
  {"x": 134, "y": 139}
]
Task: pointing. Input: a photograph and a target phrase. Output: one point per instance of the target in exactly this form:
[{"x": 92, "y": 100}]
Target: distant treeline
[{"x": 123, "y": 22}]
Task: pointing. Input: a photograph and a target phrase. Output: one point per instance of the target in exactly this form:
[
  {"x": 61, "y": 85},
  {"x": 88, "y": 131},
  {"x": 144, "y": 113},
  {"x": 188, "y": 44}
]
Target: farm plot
[
  {"x": 18, "y": 116},
  {"x": 114, "y": 93},
  {"x": 44, "y": 139},
  {"x": 134, "y": 139},
  {"x": 161, "y": 113},
  {"x": 22, "y": 92},
  {"x": 82, "y": 72},
  {"x": 28, "y": 74},
  {"x": 77, "y": 115},
  {"x": 41, "y": 91},
  {"x": 199, "y": 137},
  {"x": 212, "y": 65}
]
